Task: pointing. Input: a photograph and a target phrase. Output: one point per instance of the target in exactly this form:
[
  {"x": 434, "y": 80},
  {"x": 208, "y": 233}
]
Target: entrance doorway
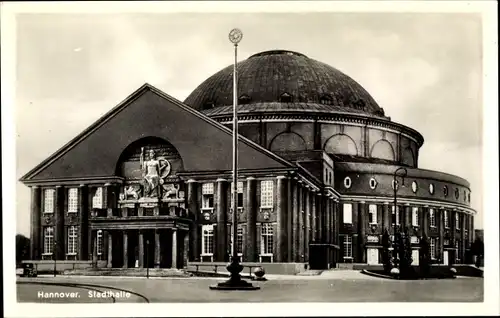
[
  {"x": 372, "y": 256},
  {"x": 445, "y": 258}
]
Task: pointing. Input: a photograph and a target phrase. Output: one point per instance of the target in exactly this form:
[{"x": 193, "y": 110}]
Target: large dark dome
[{"x": 274, "y": 77}]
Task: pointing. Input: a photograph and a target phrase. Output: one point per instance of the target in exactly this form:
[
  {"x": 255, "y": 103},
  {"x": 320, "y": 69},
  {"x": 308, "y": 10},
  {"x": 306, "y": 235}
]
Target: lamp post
[
  {"x": 235, "y": 282},
  {"x": 395, "y": 187},
  {"x": 147, "y": 259},
  {"x": 55, "y": 257}
]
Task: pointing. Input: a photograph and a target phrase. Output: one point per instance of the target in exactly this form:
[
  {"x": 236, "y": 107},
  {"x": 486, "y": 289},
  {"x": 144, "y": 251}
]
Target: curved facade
[{"x": 317, "y": 164}]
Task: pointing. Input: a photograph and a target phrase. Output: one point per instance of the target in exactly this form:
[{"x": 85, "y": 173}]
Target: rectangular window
[
  {"x": 239, "y": 243},
  {"x": 347, "y": 246},
  {"x": 72, "y": 240},
  {"x": 48, "y": 200},
  {"x": 395, "y": 216},
  {"x": 97, "y": 199},
  {"x": 73, "y": 200},
  {"x": 207, "y": 196},
  {"x": 457, "y": 221},
  {"x": 266, "y": 194},
  {"x": 48, "y": 240},
  {"x": 240, "y": 195},
  {"x": 100, "y": 243},
  {"x": 432, "y": 218},
  {"x": 432, "y": 247},
  {"x": 266, "y": 239},
  {"x": 207, "y": 240},
  {"x": 347, "y": 213},
  {"x": 446, "y": 220},
  {"x": 372, "y": 213},
  {"x": 414, "y": 216}
]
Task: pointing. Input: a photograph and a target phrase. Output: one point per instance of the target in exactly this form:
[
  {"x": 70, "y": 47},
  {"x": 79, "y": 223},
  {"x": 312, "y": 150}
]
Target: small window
[
  {"x": 359, "y": 104},
  {"x": 286, "y": 98},
  {"x": 468, "y": 197},
  {"x": 347, "y": 246},
  {"x": 266, "y": 240},
  {"x": 207, "y": 240},
  {"x": 266, "y": 194},
  {"x": 432, "y": 218},
  {"x": 72, "y": 240},
  {"x": 326, "y": 100},
  {"x": 446, "y": 220},
  {"x": 207, "y": 197},
  {"x": 48, "y": 198},
  {"x": 244, "y": 99},
  {"x": 445, "y": 191},
  {"x": 97, "y": 199},
  {"x": 414, "y": 186},
  {"x": 372, "y": 213},
  {"x": 395, "y": 215},
  {"x": 457, "y": 193},
  {"x": 431, "y": 188},
  {"x": 373, "y": 183},
  {"x": 72, "y": 200},
  {"x": 347, "y": 182},
  {"x": 239, "y": 243},
  {"x": 457, "y": 221},
  {"x": 100, "y": 243},
  {"x": 347, "y": 213},
  {"x": 414, "y": 216},
  {"x": 395, "y": 184},
  {"x": 239, "y": 190},
  {"x": 432, "y": 246},
  {"x": 465, "y": 195}
]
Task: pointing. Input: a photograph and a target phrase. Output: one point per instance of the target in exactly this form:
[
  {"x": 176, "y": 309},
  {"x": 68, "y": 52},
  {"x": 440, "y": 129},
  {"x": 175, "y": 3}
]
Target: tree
[
  {"x": 425, "y": 256},
  {"x": 478, "y": 250},
  {"x": 22, "y": 248},
  {"x": 386, "y": 256}
]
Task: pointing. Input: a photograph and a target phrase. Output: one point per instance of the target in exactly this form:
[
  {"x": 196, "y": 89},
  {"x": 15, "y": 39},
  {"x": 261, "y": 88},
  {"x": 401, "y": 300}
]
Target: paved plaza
[{"x": 334, "y": 286}]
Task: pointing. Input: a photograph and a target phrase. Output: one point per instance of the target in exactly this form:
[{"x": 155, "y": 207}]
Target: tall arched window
[{"x": 341, "y": 144}]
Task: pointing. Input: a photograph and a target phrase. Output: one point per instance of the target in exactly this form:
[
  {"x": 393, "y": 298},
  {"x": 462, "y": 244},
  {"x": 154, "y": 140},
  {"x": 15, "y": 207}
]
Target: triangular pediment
[{"x": 203, "y": 144}]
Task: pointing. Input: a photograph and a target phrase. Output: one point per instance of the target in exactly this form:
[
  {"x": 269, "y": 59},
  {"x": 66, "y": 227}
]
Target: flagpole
[{"x": 235, "y": 282}]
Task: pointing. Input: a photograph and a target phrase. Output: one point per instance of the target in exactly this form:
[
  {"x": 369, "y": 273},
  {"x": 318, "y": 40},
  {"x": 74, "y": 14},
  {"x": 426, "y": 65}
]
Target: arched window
[
  {"x": 341, "y": 144},
  {"x": 288, "y": 142},
  {"x": 382, "y": 149},
  {"x": 286, "y": 98}
]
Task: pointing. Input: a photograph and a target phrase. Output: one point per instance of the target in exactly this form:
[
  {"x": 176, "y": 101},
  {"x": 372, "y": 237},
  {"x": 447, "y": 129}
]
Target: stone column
[
  {"x": 296, "y": 210},
  {"x": 108, "y": 192},
  {"x": 314, "y": 217},
  {"x": 174, "y": 248},
  {"x": 36, "y": 224},
  {"x": 440, "y": 219},
  {"x": 251, "y": 208},
  {"x": 221, "y": 254},
  {"x": 59, "y": 236},
  {"x": 125, "y": 249},
  {"x": 386, "y": 221},
  {"x": 306, "y": 195},
  {"x": 320, "y": 208},
  {"x": 141, "y": 249},
  {"x": 407, "y": 216},
  {"x": 462, "y": 237},
  {"x": 289, "y": 226},
  {"x": 194, "y": 212},
  {"x": 94, "y": 247},
  {"x": 362, "y": 231},
  {"x": 281, "y": 209},
  {"x": 157, "y": 249},
  {"x": 301, "y": 210},
  {"x": 110, "y": 249},
  {"x": 83, "y": 209}
]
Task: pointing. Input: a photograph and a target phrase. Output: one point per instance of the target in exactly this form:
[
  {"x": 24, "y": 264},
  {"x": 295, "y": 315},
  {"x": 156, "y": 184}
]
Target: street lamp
[
  {"x": 55, "y": 257},
  {"x": 235, "y": 282},
  {"x": 395, "y": 186},
  {"x": 147, "y": 259}
]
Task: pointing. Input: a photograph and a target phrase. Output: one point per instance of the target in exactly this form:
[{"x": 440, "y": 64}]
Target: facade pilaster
[
  {"x": 386, "y": 222},
  {"x": 83, "y": 210},
  {"x": 59, "y": 237},
  {"x": 221, "y": 252},
  {"x": 36, "y": 224},
  {"x": 281, "y": 209},
  {"x": 296, "y": 209},
  {"x": 362, "y": 231},
  {"x": 251, "y": 208},
  {"x": 125, "y": 249},
  {"x": 157, "y": 249},
  {"x": 141, "y": 249},
  {"x": 110, "y": 249},
  {"x": 194, "y": 211},
  {"x": 174, "y": 248}
]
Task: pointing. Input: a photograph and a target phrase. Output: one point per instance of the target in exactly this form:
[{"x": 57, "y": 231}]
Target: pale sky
[{"x": 425, "y": 70}]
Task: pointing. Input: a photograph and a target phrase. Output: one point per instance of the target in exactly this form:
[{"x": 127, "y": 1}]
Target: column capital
[
  {"x": 250, "y": 178},
  {"x": 174, "y": 229},
  {"x": 82, "y": 185},
  {"x": 362, "y": 202},
  {"x": 386, "y": 203},
  {"x": 301, "y": 182},
  {"x": 58, "y": 186},
  {"x": 35, "y": 187},
  {"x": 221, "y": 180},
  {"x": 319, "y": 194},
  {"x": 107, "y": 184},
  {"x": 407, "y": 204},
  {"x": 191, "y": 181},
  {"x": 281, "y": 177}
]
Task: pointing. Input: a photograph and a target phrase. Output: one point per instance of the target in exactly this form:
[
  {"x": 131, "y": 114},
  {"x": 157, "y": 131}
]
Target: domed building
[{"x": 323, "y": 173}]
